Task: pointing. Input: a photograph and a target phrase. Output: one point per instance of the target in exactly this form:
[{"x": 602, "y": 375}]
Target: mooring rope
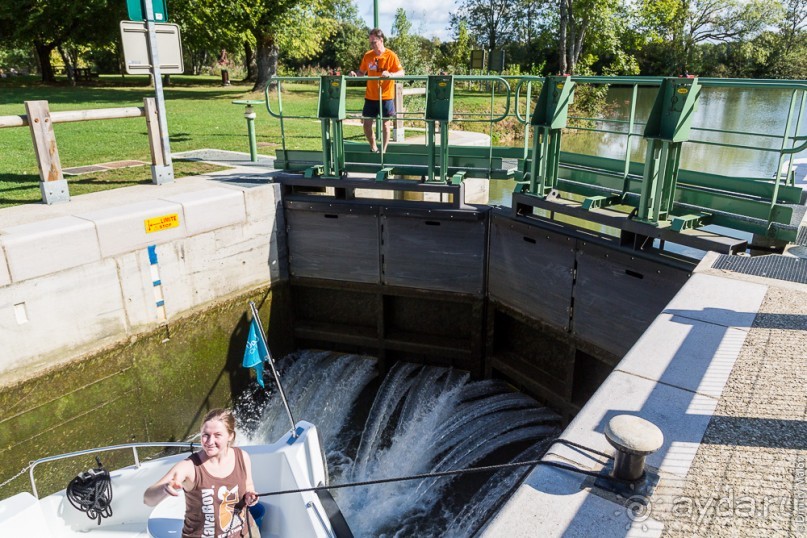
[
  {"x": 486, "y": 468},
  {"x": 91, "y": 492},
  {"x": 16, "y": 476}
]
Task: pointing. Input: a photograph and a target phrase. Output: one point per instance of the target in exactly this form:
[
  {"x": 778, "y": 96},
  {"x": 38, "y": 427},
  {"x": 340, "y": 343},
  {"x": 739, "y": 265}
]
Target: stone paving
[{"x": 748, "y": 477}]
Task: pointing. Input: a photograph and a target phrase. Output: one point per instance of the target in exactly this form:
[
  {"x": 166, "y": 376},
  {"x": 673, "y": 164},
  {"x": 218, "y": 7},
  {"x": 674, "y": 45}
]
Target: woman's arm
[{"x": 178, "y": 477}]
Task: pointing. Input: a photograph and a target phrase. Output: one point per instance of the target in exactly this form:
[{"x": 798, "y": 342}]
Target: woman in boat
[{"x": 217, "y": 481}]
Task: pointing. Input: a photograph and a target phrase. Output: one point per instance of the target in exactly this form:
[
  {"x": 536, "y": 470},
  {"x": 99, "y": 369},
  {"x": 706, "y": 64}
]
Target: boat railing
[
  {"x": 325, "y": 527},
  {"x": 128, "y": 446}
]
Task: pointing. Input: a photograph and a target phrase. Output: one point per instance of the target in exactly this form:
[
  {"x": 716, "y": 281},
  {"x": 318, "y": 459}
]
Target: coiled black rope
[
  {"x": 91, "y": 492},
  {"x": 487, "y": 468}
]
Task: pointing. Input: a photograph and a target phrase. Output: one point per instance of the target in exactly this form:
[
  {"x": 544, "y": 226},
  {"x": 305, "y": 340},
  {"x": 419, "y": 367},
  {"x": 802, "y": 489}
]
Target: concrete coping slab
[{"x": 673, "y": 377}]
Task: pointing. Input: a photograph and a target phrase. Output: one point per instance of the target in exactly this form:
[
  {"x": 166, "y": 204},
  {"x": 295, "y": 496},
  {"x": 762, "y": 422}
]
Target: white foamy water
[{"x": 418, "y": 420}]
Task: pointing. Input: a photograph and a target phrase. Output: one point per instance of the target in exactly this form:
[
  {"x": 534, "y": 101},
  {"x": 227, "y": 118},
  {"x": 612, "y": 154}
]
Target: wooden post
[
  {"x": 52, "y": 183},
  {"x": 153, "y": 128},
  {"x": 398, "y": 124}
]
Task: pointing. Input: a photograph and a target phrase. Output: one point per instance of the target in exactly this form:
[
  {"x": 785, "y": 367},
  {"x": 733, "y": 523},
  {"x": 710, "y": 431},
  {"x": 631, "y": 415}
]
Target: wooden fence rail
[{"x": 40, "y": 120}]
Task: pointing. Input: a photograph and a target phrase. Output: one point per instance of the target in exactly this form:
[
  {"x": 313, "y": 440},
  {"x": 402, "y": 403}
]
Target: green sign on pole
[{"x": 135, "y": 9}]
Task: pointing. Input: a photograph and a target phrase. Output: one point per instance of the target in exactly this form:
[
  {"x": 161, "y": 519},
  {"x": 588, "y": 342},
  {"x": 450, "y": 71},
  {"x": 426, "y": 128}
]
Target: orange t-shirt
[{"x": 373, "y": 65}]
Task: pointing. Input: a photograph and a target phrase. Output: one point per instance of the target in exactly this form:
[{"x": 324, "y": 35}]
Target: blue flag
[{"x": 256, "y": 351}]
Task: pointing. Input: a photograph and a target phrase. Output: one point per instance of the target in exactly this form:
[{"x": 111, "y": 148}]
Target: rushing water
[
  {"x": 763, "y": 112},
  {"x": 416, "y": 420}
]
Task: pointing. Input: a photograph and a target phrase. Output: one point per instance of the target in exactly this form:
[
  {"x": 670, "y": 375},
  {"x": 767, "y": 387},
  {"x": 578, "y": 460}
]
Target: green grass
[{"x": 200, "y": 115}]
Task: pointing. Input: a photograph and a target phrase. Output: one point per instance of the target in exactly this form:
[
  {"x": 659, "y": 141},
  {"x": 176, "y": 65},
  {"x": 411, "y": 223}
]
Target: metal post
[
  {"x": 249, "y": 114},
  {"x": 271, "y": 362},
  {"x": 338, "y": 148},
  {"x": 326, "y": 145},
  {"x": 159, "y": 173},
  {"x": 431, "y": 149},
  {"x": 634, "y": 439},
  {"x": 443, "y": 151}
]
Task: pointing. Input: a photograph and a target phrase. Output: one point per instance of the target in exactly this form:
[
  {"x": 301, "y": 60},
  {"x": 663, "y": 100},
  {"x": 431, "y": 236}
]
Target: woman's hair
[{"x": 225, "y": 416}]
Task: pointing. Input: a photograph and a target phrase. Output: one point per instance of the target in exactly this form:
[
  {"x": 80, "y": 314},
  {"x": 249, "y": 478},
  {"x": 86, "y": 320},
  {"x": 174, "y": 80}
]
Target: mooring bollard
[
  {"x": 249, "y": 114},
  {"x": 634, "y": 439}
]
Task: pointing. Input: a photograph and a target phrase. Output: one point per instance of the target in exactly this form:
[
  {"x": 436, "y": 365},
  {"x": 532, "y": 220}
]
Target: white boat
[{"x": 291, "y": 463}]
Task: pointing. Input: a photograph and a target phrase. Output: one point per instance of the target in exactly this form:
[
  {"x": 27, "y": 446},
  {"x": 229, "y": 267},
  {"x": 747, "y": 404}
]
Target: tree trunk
[
  {"x": 69, "y": 66},
  {"x": 266, "y": 60},
  {"x": 563, "y": 66},
  {"x": 249, "y": 61},
  {"x": 43, "y": 51},
  {"x": 578, "y": 45}
]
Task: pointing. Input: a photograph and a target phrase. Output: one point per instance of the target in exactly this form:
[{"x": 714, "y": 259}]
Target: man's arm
[{"x": 396, "y": 69}]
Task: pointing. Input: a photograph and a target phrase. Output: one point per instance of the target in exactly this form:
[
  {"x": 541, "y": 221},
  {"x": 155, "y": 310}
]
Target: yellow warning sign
[{"x": 164, "y": 222}]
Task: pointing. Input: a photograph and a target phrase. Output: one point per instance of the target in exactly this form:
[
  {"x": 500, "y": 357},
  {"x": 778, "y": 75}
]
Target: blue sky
[{"x": 426, "y": 20}]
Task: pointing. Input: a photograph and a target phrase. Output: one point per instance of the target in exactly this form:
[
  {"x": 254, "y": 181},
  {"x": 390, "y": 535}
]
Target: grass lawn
[{"x": 200, "y": 115}]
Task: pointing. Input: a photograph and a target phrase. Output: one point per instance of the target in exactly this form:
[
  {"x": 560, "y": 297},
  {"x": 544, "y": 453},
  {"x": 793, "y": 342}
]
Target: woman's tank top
[{"x": 210, "y": 506}]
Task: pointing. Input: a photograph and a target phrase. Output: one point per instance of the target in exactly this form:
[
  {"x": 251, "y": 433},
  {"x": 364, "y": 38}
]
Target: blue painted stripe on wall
[
  {"x": 160, "y": 303},
  {"x": 152, "y": 254},
  {"x": 157, "y": 282}
]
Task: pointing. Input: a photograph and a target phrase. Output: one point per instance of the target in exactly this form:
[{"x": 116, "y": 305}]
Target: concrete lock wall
[
  {"x": 90, "y": 277},
  {"x": 90, "y": 358}
]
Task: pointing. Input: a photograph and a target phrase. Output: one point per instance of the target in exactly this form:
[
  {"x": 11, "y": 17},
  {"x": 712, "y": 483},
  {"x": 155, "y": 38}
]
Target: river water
[
  {"x": 415, "y": 420},
  {"x": 763, "y": 112}
]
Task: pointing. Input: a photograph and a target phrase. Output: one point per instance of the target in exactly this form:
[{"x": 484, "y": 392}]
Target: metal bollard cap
[{"x": 633, "y": 435}]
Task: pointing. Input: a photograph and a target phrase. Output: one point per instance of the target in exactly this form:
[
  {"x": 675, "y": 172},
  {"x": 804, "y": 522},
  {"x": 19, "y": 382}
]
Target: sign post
[{"x": 161, "y": 172}]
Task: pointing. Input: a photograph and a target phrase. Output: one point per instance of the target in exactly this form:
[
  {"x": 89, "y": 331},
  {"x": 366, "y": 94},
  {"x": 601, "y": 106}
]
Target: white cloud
[{"x": 426, "y": 20}]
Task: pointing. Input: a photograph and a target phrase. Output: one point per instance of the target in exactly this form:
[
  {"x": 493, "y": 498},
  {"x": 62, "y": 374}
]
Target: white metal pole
[{"x": 160, "y": 173}]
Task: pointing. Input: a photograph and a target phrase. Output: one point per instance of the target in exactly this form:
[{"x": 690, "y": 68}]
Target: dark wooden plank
[
  {"x": 617, "y": 295},
  {"x": 335, "y": 245},
  {"x": 435, "y": 252},
  {"x": 531, "y": 270}
]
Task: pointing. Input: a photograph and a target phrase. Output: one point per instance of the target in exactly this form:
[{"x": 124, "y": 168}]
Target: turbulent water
[{"x": 416, "y": 420}]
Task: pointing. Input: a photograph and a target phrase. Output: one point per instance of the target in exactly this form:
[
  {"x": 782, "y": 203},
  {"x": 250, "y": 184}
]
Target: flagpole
[{"x": 271, "y": 362}]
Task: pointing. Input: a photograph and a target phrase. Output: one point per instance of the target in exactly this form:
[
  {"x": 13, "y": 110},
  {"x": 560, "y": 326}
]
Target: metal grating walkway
[
  {"x": 770, "y": 266},
  {"x": 801, "y": 239}
]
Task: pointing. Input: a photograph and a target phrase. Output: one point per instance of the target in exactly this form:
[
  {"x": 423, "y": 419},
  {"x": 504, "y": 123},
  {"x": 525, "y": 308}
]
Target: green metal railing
[
  {"x": 658, "y": 190},
  {"x": 426, "y": 160}
]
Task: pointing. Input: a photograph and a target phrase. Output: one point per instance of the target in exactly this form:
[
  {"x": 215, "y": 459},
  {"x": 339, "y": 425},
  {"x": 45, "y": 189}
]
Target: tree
[
  {"x": 301, "y": 26},
  {"x": 576, "y": 19},
  {"x": 346, "y": 47},
  {"x": 459, "y": 52},
  {"x": 492, "y": 23},
  {"x": 50, "y": 24},
  {"x": 682, "y": 25},
  {"x": 407, "y": 45},
  {"x": 207, "y": 27}
]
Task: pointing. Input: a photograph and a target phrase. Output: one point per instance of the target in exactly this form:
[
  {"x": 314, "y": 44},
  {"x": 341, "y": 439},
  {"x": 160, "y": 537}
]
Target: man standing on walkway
[{"x": 378, "y": 62}]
